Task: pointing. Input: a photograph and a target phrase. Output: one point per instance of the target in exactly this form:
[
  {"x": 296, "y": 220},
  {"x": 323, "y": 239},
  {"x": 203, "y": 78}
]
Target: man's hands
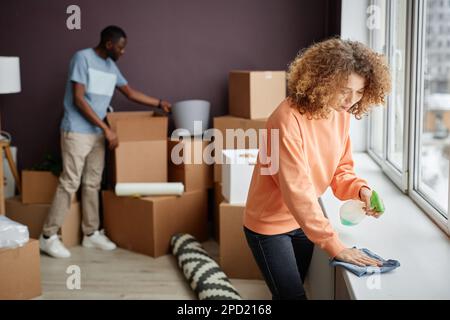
[
  {"x": 111, "y": 137},
  {"x": 139, "y": 97},
  {"x": 355, "y": 256},
  {"x": 165, "y": 106},
  {"x": 364, "y": 195}
]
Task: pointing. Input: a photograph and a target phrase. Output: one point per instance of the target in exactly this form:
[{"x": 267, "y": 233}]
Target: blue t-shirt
[{"x": 99, "y": 77}]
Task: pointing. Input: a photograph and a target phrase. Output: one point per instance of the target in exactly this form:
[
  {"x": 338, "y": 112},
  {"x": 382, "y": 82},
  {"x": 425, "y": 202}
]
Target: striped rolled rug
[{"x": 204, "y": 275}]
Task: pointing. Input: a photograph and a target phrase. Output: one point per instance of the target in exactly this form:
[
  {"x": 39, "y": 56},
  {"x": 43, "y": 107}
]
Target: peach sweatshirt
[{"x": 313, "y": 155}]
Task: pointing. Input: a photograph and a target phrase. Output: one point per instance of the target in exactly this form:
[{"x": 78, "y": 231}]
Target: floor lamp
[{"x": 10, "y": 83}]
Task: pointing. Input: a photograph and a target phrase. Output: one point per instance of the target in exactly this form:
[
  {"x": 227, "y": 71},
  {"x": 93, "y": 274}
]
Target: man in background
[{"x": 93, "y": 77}]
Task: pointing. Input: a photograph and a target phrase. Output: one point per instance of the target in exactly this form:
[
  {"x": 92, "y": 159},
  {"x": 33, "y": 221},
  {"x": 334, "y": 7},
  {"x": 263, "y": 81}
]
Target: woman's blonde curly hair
[{"x": 318, "y": 73}]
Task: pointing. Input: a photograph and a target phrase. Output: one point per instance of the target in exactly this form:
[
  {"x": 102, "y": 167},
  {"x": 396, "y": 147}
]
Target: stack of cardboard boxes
[
  {"x": 253, "y": 96},
  {"x": 31, "y": 208},
  {"x": 145, "y": 154},
  {"x": 20, "y": 276},
  {"x": 146, "y": 224},
  {"x": 20, "y": 267}
]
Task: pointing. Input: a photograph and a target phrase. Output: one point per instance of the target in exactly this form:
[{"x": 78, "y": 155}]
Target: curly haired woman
[{"x": 283, "y": 218}]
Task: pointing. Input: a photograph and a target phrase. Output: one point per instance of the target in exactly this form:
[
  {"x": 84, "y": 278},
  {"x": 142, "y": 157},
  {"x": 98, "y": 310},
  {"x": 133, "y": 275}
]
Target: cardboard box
[
  {"x": 237, "y": 171},
  {"x": 193, "y": 172},
  {"x": 142, "y": 152},
  {"x": 20, "y": 276},
  {"x": 235, "y": 256},
  {"x": 218, "y": 199},
  {"x": 255, "y": 94},
  {"x": 146, "y": 225},
  {"x": 251, "y": 137},
  {"x": 244, "y": 139},
  {"x": 38, "y": 186},
  {"x": 34, "y": 215}
]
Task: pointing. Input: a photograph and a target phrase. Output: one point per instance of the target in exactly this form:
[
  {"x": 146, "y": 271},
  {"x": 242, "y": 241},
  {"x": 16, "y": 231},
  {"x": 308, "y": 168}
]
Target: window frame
[
  {"x": 398, "y": 177},
  {"x": 407, "y": 179},
  {"x": 416, "y": 116},
  {"x": 374, "y": 155}
]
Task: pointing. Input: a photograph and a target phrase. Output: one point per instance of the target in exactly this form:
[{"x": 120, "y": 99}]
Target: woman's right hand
[
  {"x": 112, "y": 139},
  {"x": 355, "y": 256}
]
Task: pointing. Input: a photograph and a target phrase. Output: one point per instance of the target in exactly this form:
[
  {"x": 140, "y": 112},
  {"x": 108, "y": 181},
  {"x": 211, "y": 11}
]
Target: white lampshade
[{"x": 9, "y": 75}]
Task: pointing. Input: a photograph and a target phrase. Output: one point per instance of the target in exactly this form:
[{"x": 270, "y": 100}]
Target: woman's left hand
[{"x": 364, "y": 195}]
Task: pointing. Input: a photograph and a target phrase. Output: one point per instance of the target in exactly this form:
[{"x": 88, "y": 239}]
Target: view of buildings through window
[{"x": 435, "y": 139}]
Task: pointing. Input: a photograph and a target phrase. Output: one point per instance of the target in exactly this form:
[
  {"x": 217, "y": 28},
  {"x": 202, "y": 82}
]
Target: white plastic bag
[{"x": 12, "y": 234}]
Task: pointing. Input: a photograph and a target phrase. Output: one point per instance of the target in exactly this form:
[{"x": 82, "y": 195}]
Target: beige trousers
[{"x": 83, "y": 157}]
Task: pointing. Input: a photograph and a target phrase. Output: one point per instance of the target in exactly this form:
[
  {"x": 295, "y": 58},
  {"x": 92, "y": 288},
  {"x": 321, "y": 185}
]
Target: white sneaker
[
  {"x": 53, "y": 247},
  {"x": 98, "y": 240}
]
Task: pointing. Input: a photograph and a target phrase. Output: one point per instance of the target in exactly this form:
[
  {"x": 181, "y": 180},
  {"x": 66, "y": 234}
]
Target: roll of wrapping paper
[
  {"x": 149, "y": 189},
  {"x": 201, "y": 271}
]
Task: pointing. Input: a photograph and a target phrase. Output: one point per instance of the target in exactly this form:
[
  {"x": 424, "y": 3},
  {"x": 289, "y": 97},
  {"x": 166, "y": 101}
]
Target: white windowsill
[{"x": 403, "y": 233}]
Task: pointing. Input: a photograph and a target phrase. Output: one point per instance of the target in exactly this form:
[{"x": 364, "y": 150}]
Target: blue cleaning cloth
[{"x": 388, "y": 265}]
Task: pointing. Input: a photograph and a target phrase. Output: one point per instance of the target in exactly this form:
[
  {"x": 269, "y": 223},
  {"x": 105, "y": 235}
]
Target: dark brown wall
[{"x": 177, "y": 49}]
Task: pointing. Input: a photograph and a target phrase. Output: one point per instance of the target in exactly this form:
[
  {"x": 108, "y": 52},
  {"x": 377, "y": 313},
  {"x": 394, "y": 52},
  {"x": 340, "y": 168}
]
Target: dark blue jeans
[{"x": 284, "y": 260}]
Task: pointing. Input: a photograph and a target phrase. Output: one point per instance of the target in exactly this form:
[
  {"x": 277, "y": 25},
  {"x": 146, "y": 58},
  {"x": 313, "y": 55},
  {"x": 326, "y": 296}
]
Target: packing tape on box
[{"x": 149, "y": 189}]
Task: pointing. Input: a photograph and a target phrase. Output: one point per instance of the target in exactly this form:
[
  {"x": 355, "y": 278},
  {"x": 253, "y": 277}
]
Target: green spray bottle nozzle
[{"x": 376, "y": 203}]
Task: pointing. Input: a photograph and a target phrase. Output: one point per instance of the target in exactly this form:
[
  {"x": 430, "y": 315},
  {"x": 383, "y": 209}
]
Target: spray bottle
[{"x": 352, "y": 212}]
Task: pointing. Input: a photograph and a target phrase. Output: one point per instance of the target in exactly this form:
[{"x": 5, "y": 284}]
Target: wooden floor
[{"x": 121, "y": 274}]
